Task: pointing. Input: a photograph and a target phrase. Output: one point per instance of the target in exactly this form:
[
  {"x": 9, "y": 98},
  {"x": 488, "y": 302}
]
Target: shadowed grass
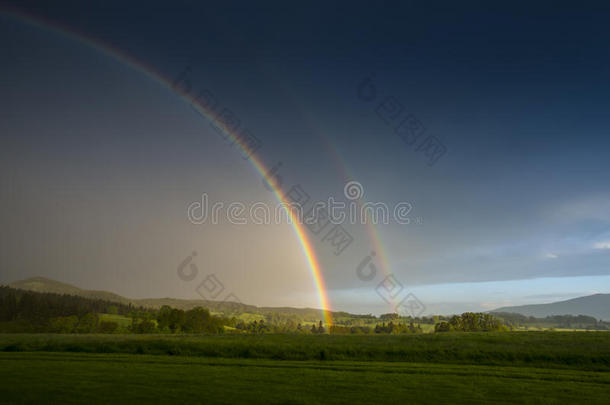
[{"x": 121, "y": 378}]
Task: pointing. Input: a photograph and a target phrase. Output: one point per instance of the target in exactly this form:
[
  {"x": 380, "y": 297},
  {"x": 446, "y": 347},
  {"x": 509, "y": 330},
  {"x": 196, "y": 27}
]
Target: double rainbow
[{"x": 257, "y": 163}]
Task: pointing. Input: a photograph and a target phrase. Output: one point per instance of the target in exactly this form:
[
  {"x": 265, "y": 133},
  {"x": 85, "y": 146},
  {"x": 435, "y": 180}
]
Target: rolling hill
[
  {"x": 41, "y": 284},
  {"x": 597, "y": 305}
]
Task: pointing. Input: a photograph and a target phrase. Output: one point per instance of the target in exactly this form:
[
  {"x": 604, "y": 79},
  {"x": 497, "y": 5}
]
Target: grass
[
  {"x": 119, "y": 378},
  {"x": 579, "y": 350},
  {"x": 519, "y": 367}
]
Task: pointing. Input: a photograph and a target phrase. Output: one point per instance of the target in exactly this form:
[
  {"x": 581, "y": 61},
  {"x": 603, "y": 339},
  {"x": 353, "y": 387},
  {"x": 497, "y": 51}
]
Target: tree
[
  {"x": 164, "y": 318},
  {"x": 176, "y": 320},
  {"x": 388, "y": 317},
  {"x": 8, "y": 306},
  {"x": 197, "y": 320},
  {"x": 442, "y": 327},
  {"x": 146, "y": 326},
  {"x": 88, "y": 323},
  {"x": 63, "y": 324},
  {"x": 262, "y": 327},
  {"x": 472, "y": 322},
  {"x": 108, "y": 327}
]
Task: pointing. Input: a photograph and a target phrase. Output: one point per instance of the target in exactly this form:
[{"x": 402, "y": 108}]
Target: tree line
[
  {"x": 471, "y": 322},
  {"x": 28, "y": 311}
]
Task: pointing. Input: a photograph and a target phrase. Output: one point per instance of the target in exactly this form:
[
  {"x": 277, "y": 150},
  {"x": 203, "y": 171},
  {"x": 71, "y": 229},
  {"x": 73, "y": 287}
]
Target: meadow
[
  {"x": 519, "y": 367},
  {"x": 582, "y": 350}
]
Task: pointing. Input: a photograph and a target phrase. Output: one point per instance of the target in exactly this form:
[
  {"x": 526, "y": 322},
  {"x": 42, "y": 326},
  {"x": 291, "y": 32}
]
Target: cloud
[
  {"x": 602, "y": 245},
  {"x": 593, "y": 207},
  {"x": 551, "y": 256}
]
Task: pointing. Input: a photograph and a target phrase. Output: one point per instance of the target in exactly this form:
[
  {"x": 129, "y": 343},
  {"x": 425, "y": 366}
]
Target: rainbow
[
  {"x": 120, "y": 56},
  {"x": 341, "y": 167},
  {"x": 373, "y": 236}
]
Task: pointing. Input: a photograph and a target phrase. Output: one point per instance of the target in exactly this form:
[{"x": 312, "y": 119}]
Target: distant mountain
[
  {"x": 597, "y": 305},
  {"x": 41, "y": 284},
  {"x": 227, "y": 308}
]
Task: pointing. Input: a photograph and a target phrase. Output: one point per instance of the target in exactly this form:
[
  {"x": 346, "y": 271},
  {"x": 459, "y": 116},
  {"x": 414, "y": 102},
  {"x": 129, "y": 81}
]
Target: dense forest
[{"x": 26, "y": 311}]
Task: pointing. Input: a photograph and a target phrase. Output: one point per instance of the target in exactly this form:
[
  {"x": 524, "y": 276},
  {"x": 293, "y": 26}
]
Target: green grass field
[
  {"x": 122, "y": 321},
  {"x": 520, "y": 367}
]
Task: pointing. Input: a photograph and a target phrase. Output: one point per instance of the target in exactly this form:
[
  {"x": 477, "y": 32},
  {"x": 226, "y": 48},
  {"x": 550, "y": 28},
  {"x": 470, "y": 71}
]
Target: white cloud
[
  {"x": 551, "y": 256},
  {"x": 602, "y": 245}
]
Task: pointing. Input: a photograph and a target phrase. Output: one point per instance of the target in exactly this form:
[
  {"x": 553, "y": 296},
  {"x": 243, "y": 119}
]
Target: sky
[{"x": 100, "y": 163}]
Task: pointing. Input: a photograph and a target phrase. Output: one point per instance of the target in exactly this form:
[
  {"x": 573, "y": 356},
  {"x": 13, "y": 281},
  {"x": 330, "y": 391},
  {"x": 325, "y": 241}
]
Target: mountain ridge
[{"x": 596, "y": 305}]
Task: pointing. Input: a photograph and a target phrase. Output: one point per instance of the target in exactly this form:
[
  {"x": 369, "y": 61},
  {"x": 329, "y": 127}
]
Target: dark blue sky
[{"x": 99, "y": 162}]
